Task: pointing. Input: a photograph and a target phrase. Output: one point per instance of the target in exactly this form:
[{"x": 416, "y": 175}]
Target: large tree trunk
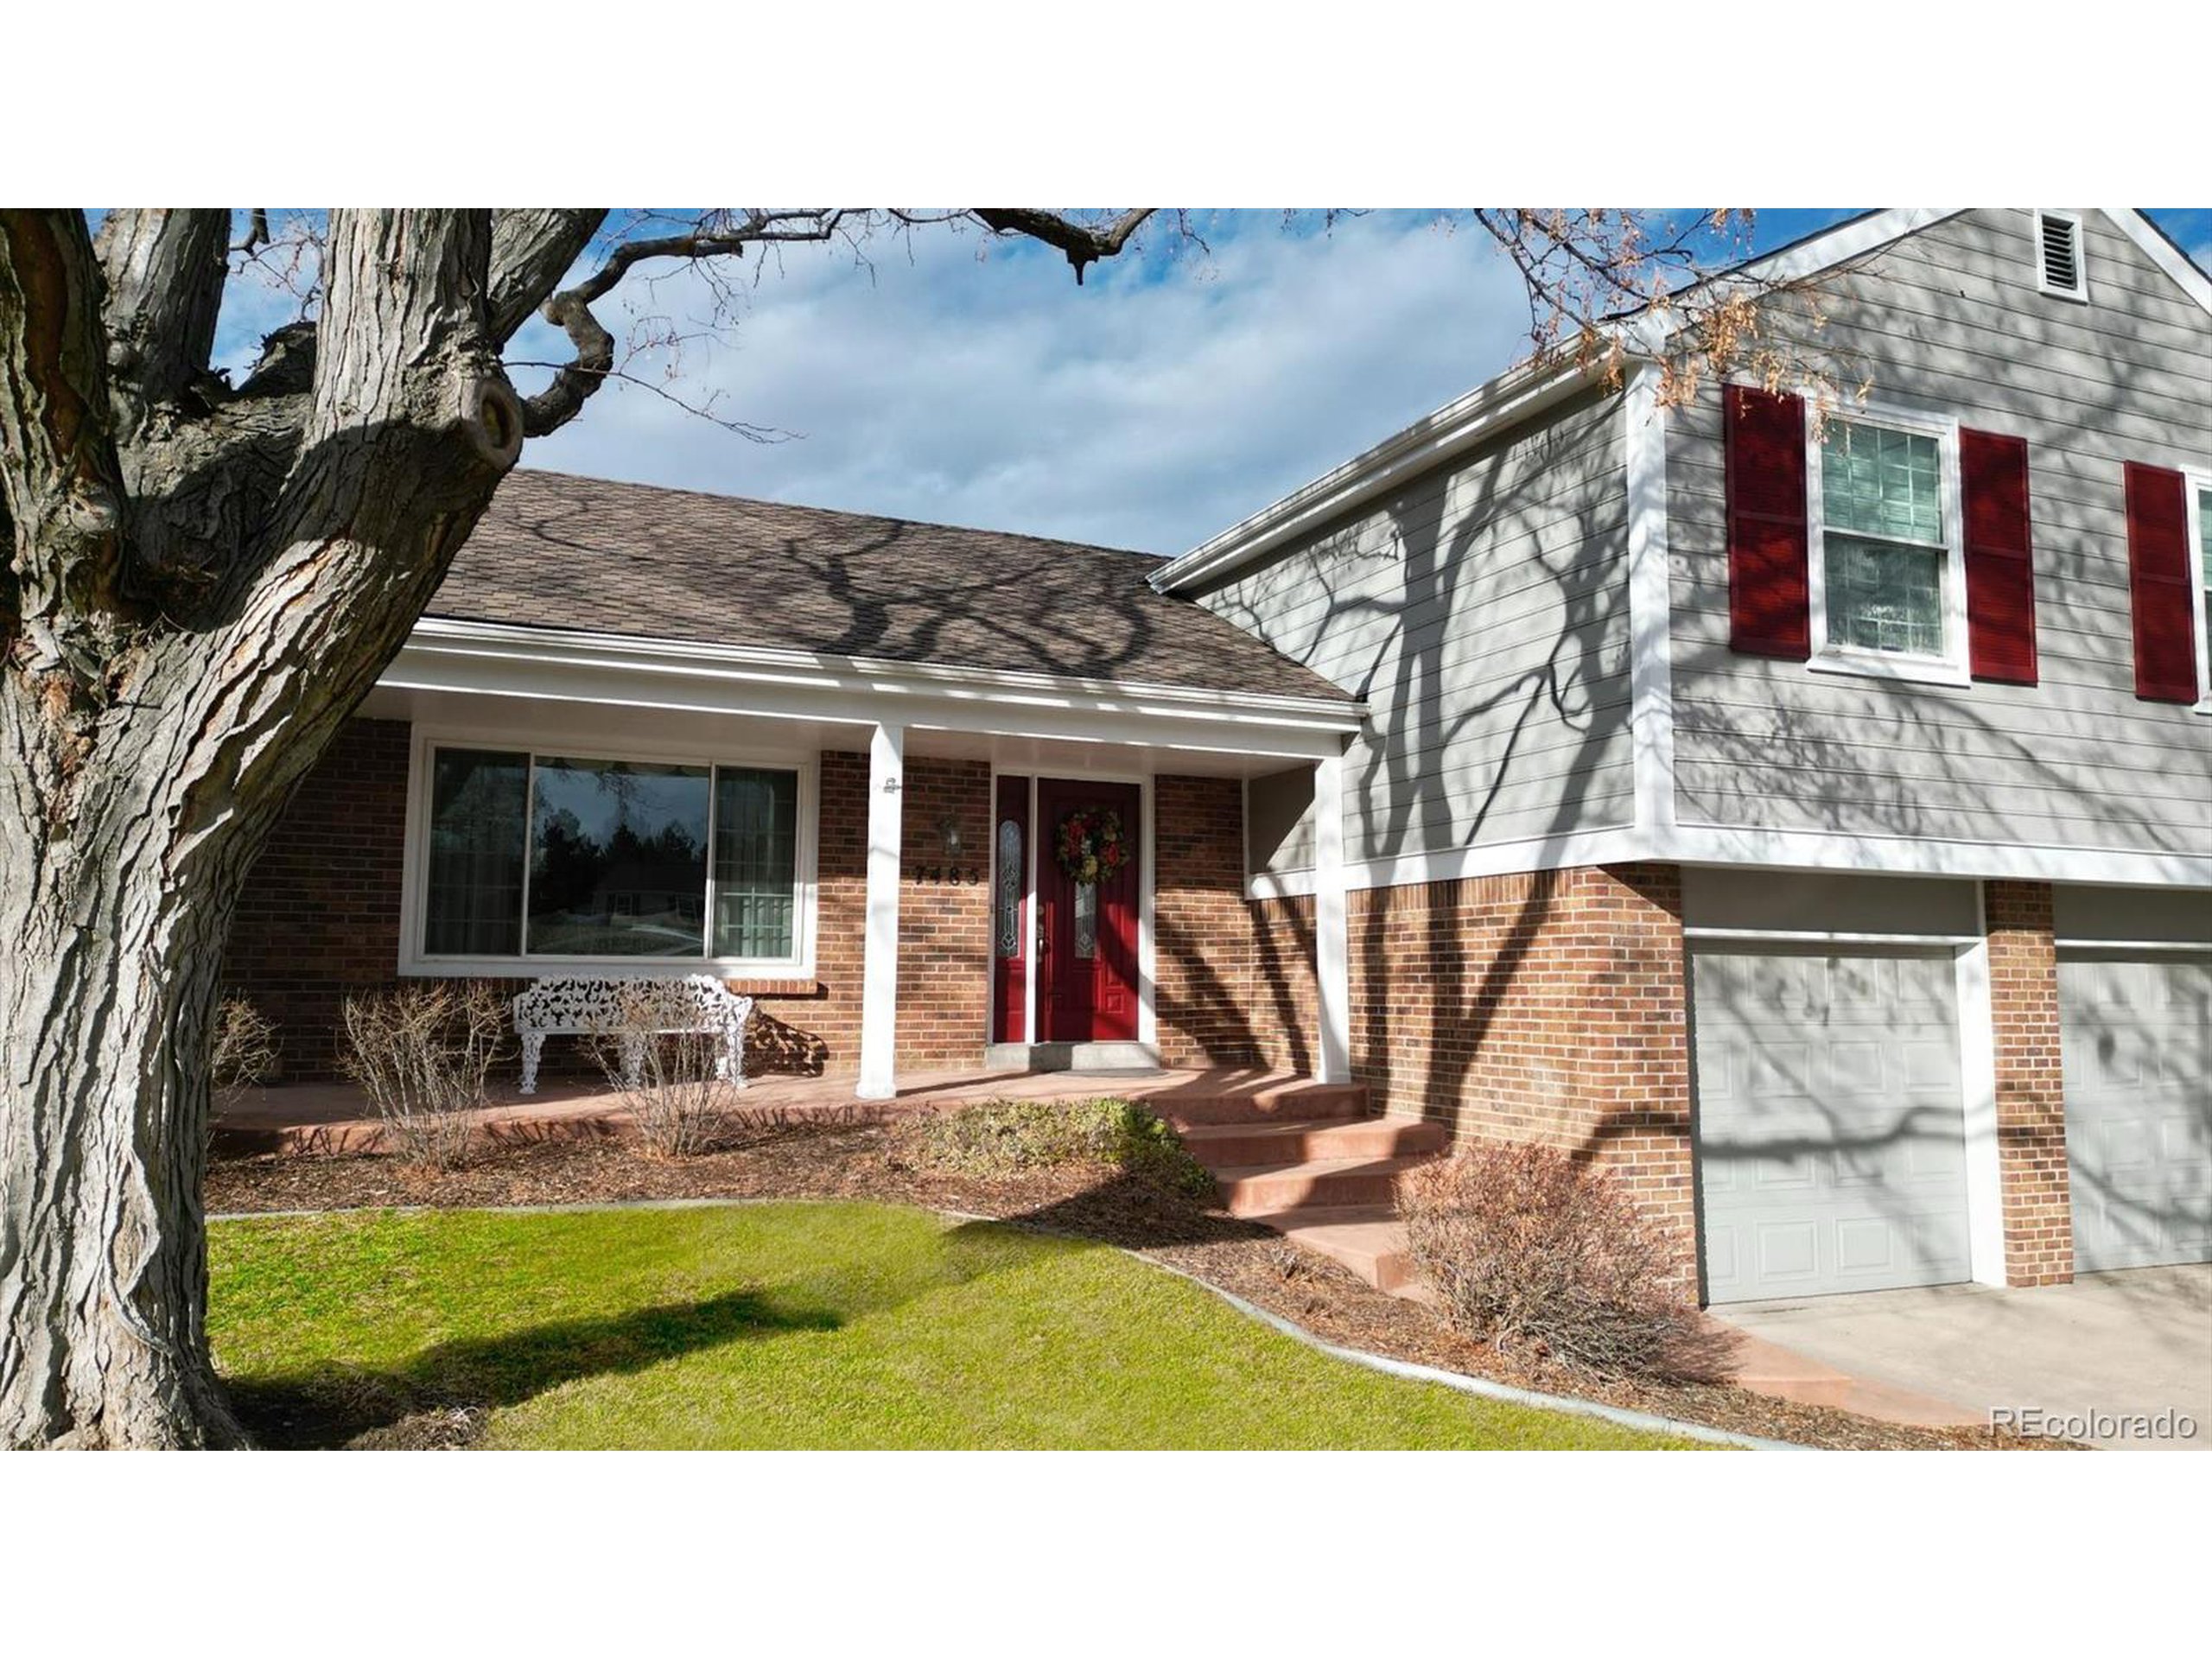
[
  {"x": 196, "y": 610},
  {"x": 104, "y": 1018}
]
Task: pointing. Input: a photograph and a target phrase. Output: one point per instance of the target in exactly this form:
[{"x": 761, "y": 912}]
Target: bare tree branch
[
  {"x": 531, "y": 252},
  {"x": 720, "y": 235},
  {"x": 751, "y": 431},
  {"x": 257, "y": 234},
  {"x": 1082, "y": 243}
]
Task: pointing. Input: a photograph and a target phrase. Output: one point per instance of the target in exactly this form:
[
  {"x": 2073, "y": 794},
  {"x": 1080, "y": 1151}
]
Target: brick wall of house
[
  {"x": 2031, "y": 1084},
  {"x": 1233, "y": 981},
  {"x": 1547, "y": 1006},
  {"x": 320, "y": 918},
  {"x": 945, "y": 916}
]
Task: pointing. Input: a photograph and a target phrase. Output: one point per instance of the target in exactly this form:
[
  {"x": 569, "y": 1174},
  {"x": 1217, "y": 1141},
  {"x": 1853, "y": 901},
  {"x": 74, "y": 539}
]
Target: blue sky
[{"x": 1167, "y": 398}]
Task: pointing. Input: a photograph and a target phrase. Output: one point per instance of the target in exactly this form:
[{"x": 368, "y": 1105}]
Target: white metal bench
[{"x": 697, "y": 1004}]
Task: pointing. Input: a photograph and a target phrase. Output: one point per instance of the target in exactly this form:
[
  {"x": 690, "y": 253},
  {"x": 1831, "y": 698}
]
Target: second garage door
[
  {"x": 1831, "y": 1131},
  {"x": 2138, "y": 1107}
]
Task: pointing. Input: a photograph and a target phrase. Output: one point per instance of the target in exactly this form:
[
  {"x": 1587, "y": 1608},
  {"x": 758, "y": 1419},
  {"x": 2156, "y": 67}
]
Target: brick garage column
[
  {"x": 1635, "y": 1066},
  {"x": 2031, "y": 1087},
  {"x": 1547, "y": 1006}
]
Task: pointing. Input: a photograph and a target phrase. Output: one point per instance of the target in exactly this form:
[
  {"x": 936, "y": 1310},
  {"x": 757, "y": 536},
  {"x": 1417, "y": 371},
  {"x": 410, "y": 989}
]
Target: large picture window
[
  {"x": 1888, "y": 585},
  {"x": 565, "y": 858}
]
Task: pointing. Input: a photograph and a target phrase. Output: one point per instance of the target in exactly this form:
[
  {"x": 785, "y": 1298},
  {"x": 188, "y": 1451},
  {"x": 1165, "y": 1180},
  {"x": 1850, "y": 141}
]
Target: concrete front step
[
  {"x": 1265, "y": 1188},
  {"x": 1369, "y": 1240},
  {"x": 1229, "y": 1146},
  {"x": 1196, "y": 1107}
]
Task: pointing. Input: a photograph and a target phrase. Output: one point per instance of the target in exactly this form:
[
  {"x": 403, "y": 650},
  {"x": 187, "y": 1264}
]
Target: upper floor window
[
  {"x": 1887, "y": 567},
  {"x": 568, "y": 859}
]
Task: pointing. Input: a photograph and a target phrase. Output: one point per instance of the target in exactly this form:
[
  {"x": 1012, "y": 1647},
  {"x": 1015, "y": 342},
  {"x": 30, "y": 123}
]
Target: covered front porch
[{"x": 920, "y": 873}]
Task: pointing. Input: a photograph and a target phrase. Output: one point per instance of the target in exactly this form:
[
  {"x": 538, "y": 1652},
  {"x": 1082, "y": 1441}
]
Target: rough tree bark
[{"x": 201, "y": 590}]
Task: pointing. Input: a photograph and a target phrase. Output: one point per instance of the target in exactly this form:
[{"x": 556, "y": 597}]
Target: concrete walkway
[
  {"x": 333, "y": 1117},
  {"x": 2112, "y": 1345}
]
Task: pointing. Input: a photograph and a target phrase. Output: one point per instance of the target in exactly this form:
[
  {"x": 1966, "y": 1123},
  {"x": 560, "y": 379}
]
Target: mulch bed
[{"x": 860, "y": 1159}]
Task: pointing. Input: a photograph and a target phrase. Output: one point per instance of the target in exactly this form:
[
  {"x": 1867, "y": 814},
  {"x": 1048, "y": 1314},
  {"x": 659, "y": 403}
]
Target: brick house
[{"x": 1806, "y": 811}]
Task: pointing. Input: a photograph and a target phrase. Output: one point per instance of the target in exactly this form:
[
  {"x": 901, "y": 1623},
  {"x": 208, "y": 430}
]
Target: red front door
[{"x": 1087, "y": 932}]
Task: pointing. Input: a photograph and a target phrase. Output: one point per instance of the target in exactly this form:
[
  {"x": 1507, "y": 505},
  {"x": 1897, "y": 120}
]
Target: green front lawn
[{"x": 784, "y": 1324}]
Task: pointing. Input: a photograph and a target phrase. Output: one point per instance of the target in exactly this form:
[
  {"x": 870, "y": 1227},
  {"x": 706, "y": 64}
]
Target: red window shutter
[
  {"x": 2159, "y": 582},
  {"x": 2000, "y": 569},
  {"x": 1770, "y": 603}
]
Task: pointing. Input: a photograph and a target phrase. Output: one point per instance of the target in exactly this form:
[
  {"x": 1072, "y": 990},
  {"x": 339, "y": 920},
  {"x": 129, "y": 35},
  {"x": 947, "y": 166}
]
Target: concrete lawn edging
[{"x": 1645, "y": 1421}]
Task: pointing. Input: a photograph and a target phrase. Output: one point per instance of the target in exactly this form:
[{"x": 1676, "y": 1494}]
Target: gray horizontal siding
[
  {"x": 1482, "y": 610},
  {"x": 1950, "y": 319}
]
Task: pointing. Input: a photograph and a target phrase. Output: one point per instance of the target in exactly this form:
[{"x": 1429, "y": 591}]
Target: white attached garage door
[
  {"x": 1831, "y": 1134},
  {"x": 2138, "y": 1107}
]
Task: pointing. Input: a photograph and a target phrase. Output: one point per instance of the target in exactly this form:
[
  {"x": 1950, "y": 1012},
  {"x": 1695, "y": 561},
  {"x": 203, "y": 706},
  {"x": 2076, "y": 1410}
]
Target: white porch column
[
  {"x": 1331, "y": 944},
  {"x": 887, "y": 751}
]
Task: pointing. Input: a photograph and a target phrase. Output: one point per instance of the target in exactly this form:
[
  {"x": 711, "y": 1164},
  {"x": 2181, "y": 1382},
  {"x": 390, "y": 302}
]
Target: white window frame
[
  {"x": 1952, "y": 667},
  {"x": 2079, "y": 294},
  {"x": 2200, "y": 559},
  {"x": 415, "y": 962}
]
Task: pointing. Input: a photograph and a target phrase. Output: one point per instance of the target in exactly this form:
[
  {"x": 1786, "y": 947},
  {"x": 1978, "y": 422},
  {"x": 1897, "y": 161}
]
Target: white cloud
[{"x": 1157, "y": 404}]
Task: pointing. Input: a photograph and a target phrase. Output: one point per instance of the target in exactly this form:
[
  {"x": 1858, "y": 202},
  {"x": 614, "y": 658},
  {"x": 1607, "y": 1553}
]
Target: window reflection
[{"x": 618, "y": 853}]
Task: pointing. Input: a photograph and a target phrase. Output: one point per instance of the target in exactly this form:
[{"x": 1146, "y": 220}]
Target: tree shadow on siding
[{"x": 1546, "y": 701}]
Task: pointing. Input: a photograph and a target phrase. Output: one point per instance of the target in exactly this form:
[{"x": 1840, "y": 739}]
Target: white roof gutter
[{"x": 1483, "y": 414}]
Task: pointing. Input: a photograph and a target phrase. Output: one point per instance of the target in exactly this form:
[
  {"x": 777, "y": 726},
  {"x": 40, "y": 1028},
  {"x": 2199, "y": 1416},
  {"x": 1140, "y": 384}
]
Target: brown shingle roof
[{"x": 564, "y": 552}]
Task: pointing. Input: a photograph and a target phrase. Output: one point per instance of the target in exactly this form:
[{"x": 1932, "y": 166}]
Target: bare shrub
[
  {"x": 423, "y": 1056},
  {"x": 244, "y": 1051},
  {"x": 669, "y": 1082},
  {"x": 242, "y": 1056},
  {"x": 1524, "y": 1245}
]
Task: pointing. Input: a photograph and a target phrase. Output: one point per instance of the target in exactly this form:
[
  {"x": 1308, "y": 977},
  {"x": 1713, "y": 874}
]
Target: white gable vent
[{"x": 2059, "y": 269}]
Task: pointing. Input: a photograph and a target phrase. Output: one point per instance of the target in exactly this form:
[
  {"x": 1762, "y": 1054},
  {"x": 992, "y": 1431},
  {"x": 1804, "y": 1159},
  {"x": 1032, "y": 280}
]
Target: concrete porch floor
[
  {"x": 333, "y": 1117},
  {"x": 2118, "y": 1343}
]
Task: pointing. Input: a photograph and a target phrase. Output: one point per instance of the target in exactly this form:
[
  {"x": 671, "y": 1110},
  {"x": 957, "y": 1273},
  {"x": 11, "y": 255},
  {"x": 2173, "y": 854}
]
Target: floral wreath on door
[{"x": 1091, "y": 846}]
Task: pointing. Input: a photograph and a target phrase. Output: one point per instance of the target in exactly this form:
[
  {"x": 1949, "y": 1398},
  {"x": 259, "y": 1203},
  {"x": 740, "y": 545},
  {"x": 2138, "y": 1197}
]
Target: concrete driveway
[{"x": 2113, "y": 1345}]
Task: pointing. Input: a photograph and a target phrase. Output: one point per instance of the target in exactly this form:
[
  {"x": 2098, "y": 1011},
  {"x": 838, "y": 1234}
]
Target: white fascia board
[
  {"x": 1492, "y": 409},
  {"x": 2169, "y": 258},
  {"x": 490, "y": 660},
  {"x": 1624, "y": 845},
  {"x": 1913, "y": 856},
  {"x": 817, "y": 668},
  {"x": 1759, "y": 849},
  {"x": 1853, "y": 239},
  {"x": 1649, "y": 330}
]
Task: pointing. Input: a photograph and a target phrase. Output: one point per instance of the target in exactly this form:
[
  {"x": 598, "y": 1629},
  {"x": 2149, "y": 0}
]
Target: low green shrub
[{"x": 1012, "y": 1137}]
